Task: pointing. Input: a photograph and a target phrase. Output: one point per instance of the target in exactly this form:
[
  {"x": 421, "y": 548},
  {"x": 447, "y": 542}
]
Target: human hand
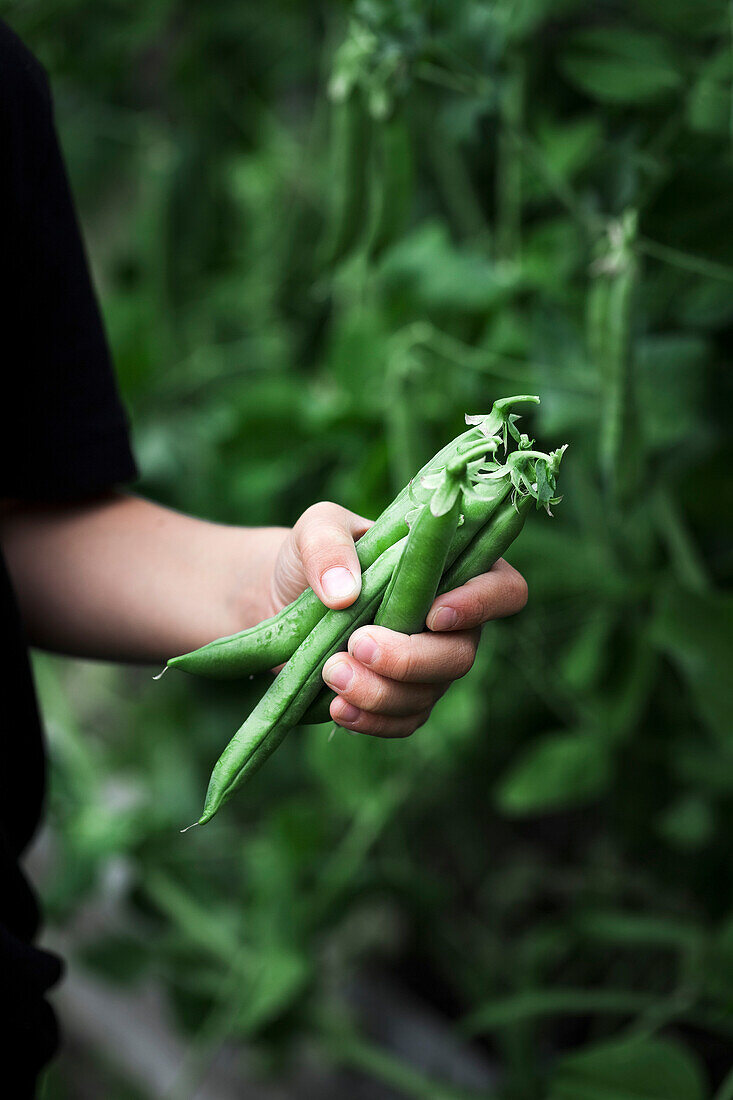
[
  {"x": 319, "y": 551},
  {"x": 387, "y": 683}
]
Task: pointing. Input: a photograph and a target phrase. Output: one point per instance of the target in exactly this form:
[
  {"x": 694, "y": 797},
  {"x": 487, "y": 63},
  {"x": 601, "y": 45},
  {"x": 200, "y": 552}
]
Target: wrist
[{"x": 248, "y": 592}]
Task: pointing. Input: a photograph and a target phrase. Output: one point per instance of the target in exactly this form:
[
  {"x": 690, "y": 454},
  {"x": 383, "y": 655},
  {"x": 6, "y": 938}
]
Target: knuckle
[
  {"x": 374, "y": 694},
  {"x": 391, "y": 659},
  {"x": 410, "y": 661},
  {"x": 522, "y": 591},
  {"x": 421, "y": 719},
  {"x": 516, "y": 587},
  {"x": 464, "y": 656},
  {"x": 413, "y": 723}
]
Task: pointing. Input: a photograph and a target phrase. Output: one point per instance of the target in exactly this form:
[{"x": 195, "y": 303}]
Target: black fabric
[{"x": 63, "y": 435}]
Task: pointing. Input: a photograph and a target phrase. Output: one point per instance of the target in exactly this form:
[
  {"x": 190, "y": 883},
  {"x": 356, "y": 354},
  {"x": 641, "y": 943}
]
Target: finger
[
  {"x": 414, "y": 658},
  {"x": 324, "y": 539},
  {"x": 376, "y": 694},
  {"x": 493, "y": 595},
  {"x": 375, "y": 725}
]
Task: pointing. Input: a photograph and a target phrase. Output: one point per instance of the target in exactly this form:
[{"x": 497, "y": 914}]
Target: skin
[{"x": 123, "y": 579}]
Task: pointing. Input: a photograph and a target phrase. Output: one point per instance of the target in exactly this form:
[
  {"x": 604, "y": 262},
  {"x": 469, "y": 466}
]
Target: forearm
[{"x": 121, "y": 578}]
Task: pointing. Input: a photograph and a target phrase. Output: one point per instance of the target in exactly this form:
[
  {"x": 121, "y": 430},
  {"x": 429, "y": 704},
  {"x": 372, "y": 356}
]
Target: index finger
[
  {"x": 425, "y": 658},
  {"x": 493, "y": 595},
  {"x": 324, "y": 539}
]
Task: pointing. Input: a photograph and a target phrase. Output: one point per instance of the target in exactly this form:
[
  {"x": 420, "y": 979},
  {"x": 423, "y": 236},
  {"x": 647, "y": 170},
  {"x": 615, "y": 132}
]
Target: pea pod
[
  {"x": 393, "y": 185},
  {"x": 610, "y": 330},
  {"x": 478, "y": 507},
  {"x": 287, "y": 699},
  {"x": 416, "y": 577},
  {"x": 408, "y": 572},
  {"x": 349, "y": 145},
  {"x": 271, "y": 642},
  {"x": 488, "y": 545},
  {"x": 533, "y": 475}
]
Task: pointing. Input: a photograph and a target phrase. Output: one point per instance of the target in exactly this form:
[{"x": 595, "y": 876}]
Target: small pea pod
[
  {"x": 479, "y": 504},
  {"x": 533, "y": 475},
  {"x": 287, "y": 699},
  {"x": 393, "y": 185},
  {"x": 488, "y": 545},
  {"x": 417, "y": 575},
  {"x": 610, "y": 332},
  {"x": 349, "y": 159},
  {"x": 272, "y": 642},
  {"x": 596, "y": 317}
]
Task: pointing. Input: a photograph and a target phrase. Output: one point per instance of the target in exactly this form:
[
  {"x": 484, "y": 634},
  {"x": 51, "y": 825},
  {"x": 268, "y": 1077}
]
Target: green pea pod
[
  {"x": 270, "y": 643},
  {"x": 477, "y": 511},
  {"x": 619, "y": 438},
  {"x": 393, "y": 185},
  {"x": 596, "y": 317},
  {"x": 488, "y": 545},
  {"x": 350, "y": 150},
  {"x": 416, "y": 577},
  {"x": 610, "y": 345},
  {"x": 287, "y": 699}
]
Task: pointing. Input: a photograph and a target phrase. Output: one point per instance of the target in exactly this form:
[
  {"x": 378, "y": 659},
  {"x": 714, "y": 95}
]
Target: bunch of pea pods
[{"x": 453, "y": 521}]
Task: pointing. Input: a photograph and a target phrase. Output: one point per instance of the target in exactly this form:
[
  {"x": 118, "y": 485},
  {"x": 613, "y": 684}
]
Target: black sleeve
[{"x": 63, "y": 431}]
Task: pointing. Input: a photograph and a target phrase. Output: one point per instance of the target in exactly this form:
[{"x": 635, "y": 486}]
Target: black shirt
[{"x": 63, "y": 435}]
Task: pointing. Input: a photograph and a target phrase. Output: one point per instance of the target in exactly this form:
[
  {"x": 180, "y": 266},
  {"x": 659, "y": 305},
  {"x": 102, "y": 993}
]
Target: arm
[{"x": 121, "y": 578}]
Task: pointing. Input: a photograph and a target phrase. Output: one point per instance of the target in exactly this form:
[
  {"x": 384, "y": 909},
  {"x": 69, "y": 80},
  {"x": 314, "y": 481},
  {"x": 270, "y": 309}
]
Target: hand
[
  {"x": 319, "y": 551},
  {"x": 388, "y": 683}
]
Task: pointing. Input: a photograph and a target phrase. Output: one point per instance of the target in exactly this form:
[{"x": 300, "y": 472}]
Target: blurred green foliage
[{"x": 548, "y": 861}]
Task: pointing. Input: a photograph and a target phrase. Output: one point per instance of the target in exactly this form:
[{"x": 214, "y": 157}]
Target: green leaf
[
  {"x": 278, "y": 980},
  {"x": 428, "y": 267},
  {"x": 633, "y": 1069},
  {"x": 621, "y": 66},
  {"x": 688, "y": 824},
  {"x": 555, "y": 771},
  {"x": 687, "y": 17},
  {"x": 534, "y": 1004},
  {"x": 709, "y": 101},
  {"x": 695, "y": 630},
  {"x": 633, "y": 929}
]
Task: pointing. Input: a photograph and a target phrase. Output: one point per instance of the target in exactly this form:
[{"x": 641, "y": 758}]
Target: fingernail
[
  {"x": 445, "y": 618},
  {"x": 366, "y": 650},
  {"x": 338, "y": 676},
  {"x": 338, "y": 583},
  {"x": 349, "y": 713}
]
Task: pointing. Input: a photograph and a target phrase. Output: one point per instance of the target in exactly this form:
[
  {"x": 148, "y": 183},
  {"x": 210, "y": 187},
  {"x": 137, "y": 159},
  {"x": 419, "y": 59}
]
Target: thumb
[{"x": 324, "y": 552}]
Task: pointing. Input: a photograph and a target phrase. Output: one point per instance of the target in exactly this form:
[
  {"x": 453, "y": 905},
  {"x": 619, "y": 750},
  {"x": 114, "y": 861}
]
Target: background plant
[{"x": 548, "y": 862}]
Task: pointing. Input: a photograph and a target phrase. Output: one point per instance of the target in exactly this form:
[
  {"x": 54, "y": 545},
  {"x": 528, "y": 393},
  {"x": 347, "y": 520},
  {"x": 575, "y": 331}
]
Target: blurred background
[{"x": 321, "y": 233}]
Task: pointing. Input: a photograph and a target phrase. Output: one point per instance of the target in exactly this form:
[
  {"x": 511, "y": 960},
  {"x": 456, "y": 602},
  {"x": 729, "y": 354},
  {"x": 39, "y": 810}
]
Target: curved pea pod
[
  {"x": 350, "y": 139},
  {"x": 393, "y": 185},
  {"x": 270, "y": 643},
  {"x": 478, "y": 504},
  {"x": 273, "y": 641},
  {"x": 610, "y": 312},
  {"x": 488, "y": 545},
  {"x": 416, "y": 577},
  {"x": 284, "y": 704}
]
